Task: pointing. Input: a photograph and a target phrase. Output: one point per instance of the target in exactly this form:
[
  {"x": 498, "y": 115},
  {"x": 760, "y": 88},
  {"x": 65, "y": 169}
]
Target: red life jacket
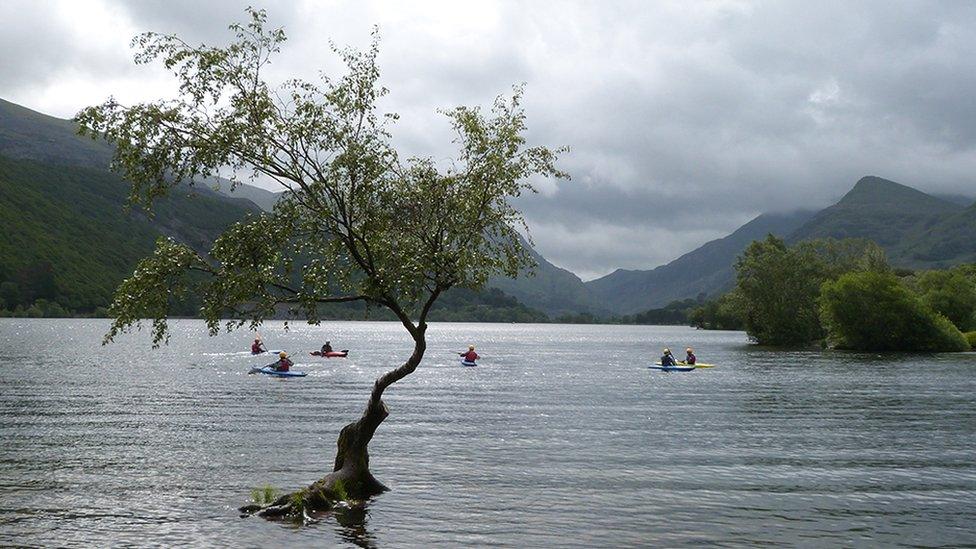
[
  {"x": 471, "y": 356},
  {"x": 256, "y": 348},
  {"x": 283, "y": 365}
]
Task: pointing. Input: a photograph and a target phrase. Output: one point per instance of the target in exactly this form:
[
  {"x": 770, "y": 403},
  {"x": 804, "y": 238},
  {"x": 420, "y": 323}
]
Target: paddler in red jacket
[
  {"x": 256, "y": 347},
  {"x": 283, "y": 364},
  {"x": 470, "y": 356}
]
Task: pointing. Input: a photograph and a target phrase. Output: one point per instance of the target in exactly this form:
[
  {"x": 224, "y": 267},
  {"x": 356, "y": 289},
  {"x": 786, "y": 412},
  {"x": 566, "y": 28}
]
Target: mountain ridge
[
  {"x": 878, "y": 209},
  {"x": 917, "y": 230},
  {"x": 710, "y": 265},
  {"x": 42, "y": 156}
]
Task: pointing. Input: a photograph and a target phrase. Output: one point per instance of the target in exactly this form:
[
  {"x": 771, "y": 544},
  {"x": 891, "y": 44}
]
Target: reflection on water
[
  {"x": 352, "y": 525},
  {"x": 560, "y": 438}
]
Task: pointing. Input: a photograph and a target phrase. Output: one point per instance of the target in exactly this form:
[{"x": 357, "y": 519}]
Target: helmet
[
  {"x": 666, "y": 350},
  {"x": 470, "y": 347},
  {"x": 688, "y": 350},
  {"x": 282, "y": 354}
]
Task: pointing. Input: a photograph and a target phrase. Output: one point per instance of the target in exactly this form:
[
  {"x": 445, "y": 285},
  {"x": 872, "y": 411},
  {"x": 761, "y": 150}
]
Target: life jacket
[
  {"x": 691, "y": 359},
  {"x": 283, "y": 365},
  {"x": 667, "y": 360},
  {"x": 471, "y": 356},
  {"x": 256, "y": 348}
]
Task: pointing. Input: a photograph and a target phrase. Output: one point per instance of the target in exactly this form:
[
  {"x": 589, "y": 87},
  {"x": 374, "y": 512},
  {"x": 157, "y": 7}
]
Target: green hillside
[
  {"x": 68, "y": 240},
  {"x": 30, "y": 135},
  {"x": 67, "y": 237},
  {"x": 73, "y": 220},
  {"x": 950, "y": 241}
]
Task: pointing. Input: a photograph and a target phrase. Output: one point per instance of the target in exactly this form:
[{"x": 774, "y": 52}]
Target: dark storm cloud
[{"x": 684, "y": 119}]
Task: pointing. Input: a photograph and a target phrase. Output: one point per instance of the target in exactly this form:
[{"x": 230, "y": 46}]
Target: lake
[{"x": 561, "y": 437}]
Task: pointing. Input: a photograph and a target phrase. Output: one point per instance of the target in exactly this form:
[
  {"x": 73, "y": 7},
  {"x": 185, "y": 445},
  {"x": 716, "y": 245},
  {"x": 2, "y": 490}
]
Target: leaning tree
[{"x": 356, "y": 223}]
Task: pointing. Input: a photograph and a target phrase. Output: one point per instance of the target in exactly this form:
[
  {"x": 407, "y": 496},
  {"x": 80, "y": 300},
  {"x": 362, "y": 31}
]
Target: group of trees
[
  {"x": 844, "y": 294},
  {"x": 722, "y": 313},
  {"x": 30, "y": 290}
]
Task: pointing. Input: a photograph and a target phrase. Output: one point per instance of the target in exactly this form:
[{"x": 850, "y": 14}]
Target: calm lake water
[{"x": 561, "y": 437}]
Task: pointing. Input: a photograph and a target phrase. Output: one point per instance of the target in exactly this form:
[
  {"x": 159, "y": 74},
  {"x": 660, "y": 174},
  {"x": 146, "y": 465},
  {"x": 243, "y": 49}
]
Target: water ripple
[{"x": 561, "y": 438}]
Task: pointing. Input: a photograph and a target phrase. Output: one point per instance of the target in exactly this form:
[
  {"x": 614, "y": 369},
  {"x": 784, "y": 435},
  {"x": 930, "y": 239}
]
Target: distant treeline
[
  {"x": 843, "y": 294},
  {"x": 676, "y": 313}
]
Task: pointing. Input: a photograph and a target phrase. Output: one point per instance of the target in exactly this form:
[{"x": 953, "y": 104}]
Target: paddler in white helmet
[
  {"x": 470, "y": 356},
  {"x": 667, "y": 359}
]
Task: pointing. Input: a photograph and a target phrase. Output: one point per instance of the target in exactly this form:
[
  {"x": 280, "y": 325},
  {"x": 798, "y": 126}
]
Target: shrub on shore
[{"x": 874, "y": 311}]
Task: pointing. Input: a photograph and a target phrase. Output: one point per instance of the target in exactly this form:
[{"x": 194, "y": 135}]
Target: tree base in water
[{"x": 350, "y": 480}]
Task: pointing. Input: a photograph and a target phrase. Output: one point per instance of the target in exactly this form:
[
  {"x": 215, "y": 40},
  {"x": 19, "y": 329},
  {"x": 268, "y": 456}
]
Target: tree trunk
[{"x": 350, "y": 479}]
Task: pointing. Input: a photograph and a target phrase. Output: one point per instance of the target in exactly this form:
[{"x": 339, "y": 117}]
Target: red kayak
[{"x": 331, "y": 354}]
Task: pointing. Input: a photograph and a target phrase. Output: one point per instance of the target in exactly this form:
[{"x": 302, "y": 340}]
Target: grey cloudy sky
[{"x": 685, "y": 119}]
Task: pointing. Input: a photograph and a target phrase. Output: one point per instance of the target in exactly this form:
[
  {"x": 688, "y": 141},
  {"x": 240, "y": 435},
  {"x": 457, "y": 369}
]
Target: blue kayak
[
  {"x": 673, "y": 368},
  {"x": 272, "y": 372},
  {"x": 468, "y": 363}
]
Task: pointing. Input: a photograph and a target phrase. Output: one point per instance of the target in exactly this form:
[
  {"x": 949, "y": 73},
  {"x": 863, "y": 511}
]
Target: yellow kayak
[{"x": 697, "y": 364}]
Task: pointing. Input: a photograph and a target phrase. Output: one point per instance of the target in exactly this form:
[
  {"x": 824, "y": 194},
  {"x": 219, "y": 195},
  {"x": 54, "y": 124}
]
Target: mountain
[
  {"x": 880, "y": 210},
  {"x": 63, "y": 219},
  {"x": 958, "y": 199},
  {"x": 263, "y": 198},
  {"x": 917, "y": 230},
  {"x": 30, "y": 135},
  {"x": 551, "y": 289},
  {"x": 706, "y": 270},
  {"x": 70, "y": 220},
  {"x": 68, "y": 239}
]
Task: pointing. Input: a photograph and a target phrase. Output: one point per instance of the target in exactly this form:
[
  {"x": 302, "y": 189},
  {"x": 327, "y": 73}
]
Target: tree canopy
[
  {"x": 357, "y": 221},
  {"x": 951, "y": 293},
  {"x": 777, "y": 286},
  {"x": 874, "y": 311}
]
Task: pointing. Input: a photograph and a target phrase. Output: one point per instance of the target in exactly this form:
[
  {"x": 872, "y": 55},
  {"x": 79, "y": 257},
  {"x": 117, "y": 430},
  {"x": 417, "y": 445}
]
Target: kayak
[
  {"x": 468, "y": 363},
  {"x": 272, "y": 372},
  {"x": 696, "y": 365},
  {"x": 331, "y": 354},
  {"x": 673, "y": 368},
  {"x": 274, "y": 352}
]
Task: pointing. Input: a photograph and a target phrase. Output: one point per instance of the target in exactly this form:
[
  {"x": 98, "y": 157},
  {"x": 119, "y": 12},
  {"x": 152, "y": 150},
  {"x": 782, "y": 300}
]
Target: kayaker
[
  {"x": 690, "y": 358},
  {"x": 470, "y": 356},
  {"x": 257, "y": 347},
  {"x": 283, "y": 364},
  {"x": 667, "y": 359},
  {"x": 327, "y": 348}
]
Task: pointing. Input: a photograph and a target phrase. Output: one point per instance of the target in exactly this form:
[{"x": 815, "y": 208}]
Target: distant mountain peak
[{"x": 873, "y": 190}]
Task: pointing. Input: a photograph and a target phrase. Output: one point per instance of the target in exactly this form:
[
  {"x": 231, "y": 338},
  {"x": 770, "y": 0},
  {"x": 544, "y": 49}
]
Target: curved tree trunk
[{"x": 350, "y": 479}]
